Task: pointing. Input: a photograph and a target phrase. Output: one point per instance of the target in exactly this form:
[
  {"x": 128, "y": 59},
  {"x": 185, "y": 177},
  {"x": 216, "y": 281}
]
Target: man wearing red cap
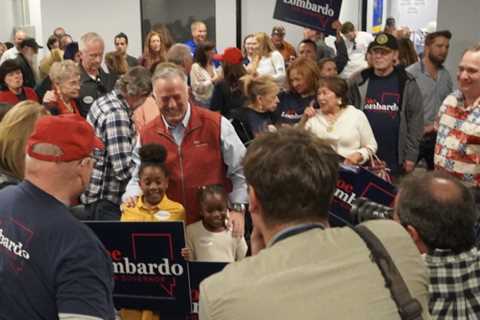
[{"x": 51, "y": 265}]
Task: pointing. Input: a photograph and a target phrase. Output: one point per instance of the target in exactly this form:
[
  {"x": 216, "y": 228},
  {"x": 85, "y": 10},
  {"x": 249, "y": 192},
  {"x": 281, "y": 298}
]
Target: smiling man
[
  {"x": 458, "y": 125},
  {"x": 393, "y": 104},
  {"x": 203, "y": 147}
]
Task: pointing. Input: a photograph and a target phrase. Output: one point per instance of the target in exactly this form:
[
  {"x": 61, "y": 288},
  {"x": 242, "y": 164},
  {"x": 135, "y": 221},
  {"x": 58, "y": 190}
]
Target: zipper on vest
[{"x": 180, "y": 157}]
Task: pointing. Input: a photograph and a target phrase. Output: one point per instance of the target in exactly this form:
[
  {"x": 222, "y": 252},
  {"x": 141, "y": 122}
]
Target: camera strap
[{"x": 408, "y": 307}]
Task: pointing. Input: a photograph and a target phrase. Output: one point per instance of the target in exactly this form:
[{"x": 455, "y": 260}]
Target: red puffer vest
[{"x": 196, "y": 162}]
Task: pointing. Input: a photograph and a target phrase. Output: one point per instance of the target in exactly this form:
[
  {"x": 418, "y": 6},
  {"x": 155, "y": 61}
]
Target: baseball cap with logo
[
  {"x": 278, "y": 31},
  {"x": 384, "y": 40},
  {"x": 70, "y": 133},
  {"x": 30, "y": 42},
  {"x": 230, "y": 55}
]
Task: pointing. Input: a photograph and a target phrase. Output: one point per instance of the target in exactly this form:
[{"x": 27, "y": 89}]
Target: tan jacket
[{"x": 318, "y": 274}]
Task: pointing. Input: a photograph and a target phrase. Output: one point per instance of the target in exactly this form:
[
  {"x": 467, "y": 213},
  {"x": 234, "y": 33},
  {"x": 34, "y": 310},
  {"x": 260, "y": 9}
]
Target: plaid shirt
[
  {"x": 454, "y": 284},
  {"x": 112, "y": 119},
  {"x": 458, "y": 140}
]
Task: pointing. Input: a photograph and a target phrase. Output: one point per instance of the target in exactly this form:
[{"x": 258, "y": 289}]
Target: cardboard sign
[
  {"x": 354, "y": 182},
  {"x": 313, "y": 14},
  {"x": 199, "y": 271},
  {"x": 149, "y": 271}
]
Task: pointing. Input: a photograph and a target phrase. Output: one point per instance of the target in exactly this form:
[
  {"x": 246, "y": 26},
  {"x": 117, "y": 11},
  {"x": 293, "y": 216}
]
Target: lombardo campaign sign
[
  {"x": 313, "y": 14},
  {"x": 354, "y": 182},
  {"x": 149, "y": 271}
]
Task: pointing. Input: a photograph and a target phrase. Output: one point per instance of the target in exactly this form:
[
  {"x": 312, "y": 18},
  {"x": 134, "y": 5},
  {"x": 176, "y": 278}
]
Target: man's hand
[
  {"x": 408, "y": 166},
  {"x": 130, "y": 202},
  {"x": 236, "y": 222},
  {"x": 257, "y": 242},
  {"x": 428, "y": 129}
]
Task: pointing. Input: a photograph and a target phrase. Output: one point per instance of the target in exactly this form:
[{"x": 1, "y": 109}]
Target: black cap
[
  {"x": 384, "y": 40},
  {"x": 30, "y": 42}
]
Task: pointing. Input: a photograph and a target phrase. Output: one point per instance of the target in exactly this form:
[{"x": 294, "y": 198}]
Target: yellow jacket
[{"x": 166, "y": 210}]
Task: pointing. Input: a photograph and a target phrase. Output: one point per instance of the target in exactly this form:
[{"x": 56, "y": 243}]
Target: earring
[{"x": 339, "y": 101}]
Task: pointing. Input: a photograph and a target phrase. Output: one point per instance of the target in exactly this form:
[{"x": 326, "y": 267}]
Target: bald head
[{"x": 440, "y": 208}]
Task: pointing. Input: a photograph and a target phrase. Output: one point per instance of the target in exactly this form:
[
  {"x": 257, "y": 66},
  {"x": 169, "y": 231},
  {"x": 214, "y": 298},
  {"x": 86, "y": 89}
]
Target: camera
[{"x": 364, "y": 209}]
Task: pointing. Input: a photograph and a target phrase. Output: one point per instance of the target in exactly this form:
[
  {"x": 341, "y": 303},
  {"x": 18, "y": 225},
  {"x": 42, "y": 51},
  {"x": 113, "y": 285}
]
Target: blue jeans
[{"x": 103, "y": 210}]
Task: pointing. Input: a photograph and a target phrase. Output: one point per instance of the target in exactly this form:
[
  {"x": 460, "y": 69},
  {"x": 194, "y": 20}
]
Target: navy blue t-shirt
[
  {"x": 50, "y": 263},
  {"x": 382, "y": 108},
  {"x": 291, "y": 107},
  {"x": 257, "y": 121}
]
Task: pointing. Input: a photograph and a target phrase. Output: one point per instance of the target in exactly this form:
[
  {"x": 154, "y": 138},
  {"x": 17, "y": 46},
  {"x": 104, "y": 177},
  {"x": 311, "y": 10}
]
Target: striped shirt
[
  {"x": 458, "y": 139},
  {"x": 112, "y": 119}
]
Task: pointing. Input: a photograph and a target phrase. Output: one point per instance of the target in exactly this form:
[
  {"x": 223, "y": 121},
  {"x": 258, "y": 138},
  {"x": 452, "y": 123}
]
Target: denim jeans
[{"x": 103, "y": 210}]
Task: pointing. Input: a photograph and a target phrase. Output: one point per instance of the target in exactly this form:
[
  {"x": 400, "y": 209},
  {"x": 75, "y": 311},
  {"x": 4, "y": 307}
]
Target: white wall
[
  {"x": 6, "y": 20},
  {"x": 461, "y": 20},
  {"x": 415, "y": 14},
  {"x": 106, "y": 17},
  {"x": 258, "y": 16},
  {"x": 225, "y": 24}
]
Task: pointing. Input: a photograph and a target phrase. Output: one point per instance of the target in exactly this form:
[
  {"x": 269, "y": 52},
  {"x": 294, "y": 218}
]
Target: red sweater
[
  {"x": 197, "y": 162},
  {"x": 8, "y": 97}
]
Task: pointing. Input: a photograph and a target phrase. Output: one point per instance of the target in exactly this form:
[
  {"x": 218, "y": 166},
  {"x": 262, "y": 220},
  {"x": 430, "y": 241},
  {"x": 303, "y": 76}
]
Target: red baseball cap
[
  {"x": 230, "y": 55},
  {"x": 71, "y": 133}
]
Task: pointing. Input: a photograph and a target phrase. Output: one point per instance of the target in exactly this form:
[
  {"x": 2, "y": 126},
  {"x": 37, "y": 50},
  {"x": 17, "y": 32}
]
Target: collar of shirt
[
  {"x": 141, "y": 205},
  {"x": 442, "y": 256},
  {"x": 184, "y": 122},
  {"x": 294, "y": 230}
]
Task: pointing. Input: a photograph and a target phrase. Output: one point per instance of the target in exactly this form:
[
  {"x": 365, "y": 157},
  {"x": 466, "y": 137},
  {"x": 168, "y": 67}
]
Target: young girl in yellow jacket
[{"x": 153, "y": 205}]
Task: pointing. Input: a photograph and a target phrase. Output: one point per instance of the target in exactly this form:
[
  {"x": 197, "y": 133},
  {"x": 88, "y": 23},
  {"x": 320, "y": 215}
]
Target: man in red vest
[{"x": 203, "y": 147}]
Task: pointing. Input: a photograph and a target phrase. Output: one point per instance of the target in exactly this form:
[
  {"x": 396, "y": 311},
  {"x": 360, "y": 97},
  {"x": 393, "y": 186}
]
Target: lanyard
[{"x": 297, "y": 230}]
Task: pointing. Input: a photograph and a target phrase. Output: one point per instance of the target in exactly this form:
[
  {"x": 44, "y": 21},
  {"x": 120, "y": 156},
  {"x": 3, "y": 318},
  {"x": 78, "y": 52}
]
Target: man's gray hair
[
  {"x": 178, "y": 54},
  {"x": 167, "y": 70},
  {"x": 88, "y": 38},
  {"x": 136, "y": 82}
]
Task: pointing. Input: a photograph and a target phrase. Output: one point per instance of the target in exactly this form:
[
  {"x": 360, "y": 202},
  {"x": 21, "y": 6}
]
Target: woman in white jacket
[
  {"x": 267, "y": 60},
  {"x": 345, "y": 127}
]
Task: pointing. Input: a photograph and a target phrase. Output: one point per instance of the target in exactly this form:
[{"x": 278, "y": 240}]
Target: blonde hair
[
  {"x": 254, "y": 87},
  {"x": 64, "y": 70},
  {"x": 196, "y": 24},
  {"x": 265, "y": 45},
  {"x": 15, "y": 128}
]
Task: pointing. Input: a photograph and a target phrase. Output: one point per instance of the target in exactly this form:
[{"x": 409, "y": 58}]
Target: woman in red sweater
[{"x": 12, "y": 90}]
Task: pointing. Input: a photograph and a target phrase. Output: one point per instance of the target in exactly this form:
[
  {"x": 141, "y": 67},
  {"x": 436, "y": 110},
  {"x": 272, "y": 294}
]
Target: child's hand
[{"x": 187, "y": 254}]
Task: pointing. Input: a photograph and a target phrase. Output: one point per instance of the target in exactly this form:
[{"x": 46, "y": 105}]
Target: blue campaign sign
[
  {"x": 199, "y": 271},
  {"x": 313, "y": 14},
  {"x": 354, "y": 182},
  {"x": 149, "y": 271}
]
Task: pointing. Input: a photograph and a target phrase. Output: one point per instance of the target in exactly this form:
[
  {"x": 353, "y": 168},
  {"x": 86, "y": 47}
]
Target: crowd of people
[{"x": 228, "y": 141}]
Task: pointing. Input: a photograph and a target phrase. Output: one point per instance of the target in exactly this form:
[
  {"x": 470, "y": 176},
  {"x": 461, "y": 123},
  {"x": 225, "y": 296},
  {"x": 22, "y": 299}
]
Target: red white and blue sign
[
  {"x": 354, "y": 182},
  {"x": 313, "y": 14}
]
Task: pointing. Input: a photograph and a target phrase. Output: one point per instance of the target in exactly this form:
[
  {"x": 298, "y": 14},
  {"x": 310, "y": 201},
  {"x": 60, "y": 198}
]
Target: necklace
[{"x": 332, "y": 119}]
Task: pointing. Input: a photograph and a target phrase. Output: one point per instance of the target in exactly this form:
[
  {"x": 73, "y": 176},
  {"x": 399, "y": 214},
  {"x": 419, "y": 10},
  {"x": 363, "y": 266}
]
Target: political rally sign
[
  {"x": 313, "y": 14},
  {"x": 199, "y": 271},
  {"x": 354, "y": 182},
  {"x": 149, "y": 271}
]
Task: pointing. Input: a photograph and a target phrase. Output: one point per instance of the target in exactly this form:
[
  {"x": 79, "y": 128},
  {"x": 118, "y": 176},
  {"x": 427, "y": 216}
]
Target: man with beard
[{"x": 435, "y": 84}]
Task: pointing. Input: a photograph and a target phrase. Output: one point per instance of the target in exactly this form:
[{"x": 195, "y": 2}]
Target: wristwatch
[{"x": 238, "y": 207}]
